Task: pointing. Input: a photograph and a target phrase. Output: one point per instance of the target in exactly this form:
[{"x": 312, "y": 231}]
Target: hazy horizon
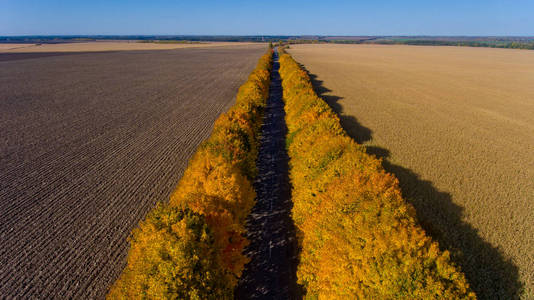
[{"x": 253, "y": 35}]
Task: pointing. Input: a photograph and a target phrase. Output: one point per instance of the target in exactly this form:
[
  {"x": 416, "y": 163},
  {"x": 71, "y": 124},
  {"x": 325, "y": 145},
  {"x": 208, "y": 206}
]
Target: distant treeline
[
  {"x": 491, "y": 44},
  {"x": 475, "y": 41},
  {"x": 515, "y": 44},
  {"x": 170, "y": 41}
]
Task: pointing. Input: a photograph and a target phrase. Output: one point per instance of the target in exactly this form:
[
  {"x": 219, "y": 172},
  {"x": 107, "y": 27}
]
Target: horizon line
[{"x": 275, "y": 35}]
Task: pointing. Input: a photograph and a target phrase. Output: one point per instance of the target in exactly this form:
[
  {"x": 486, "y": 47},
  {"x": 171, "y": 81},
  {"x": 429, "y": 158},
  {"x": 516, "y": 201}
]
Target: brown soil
[
  {"x": 456, "y": 125},
  {"x": 90, "y": 142}
]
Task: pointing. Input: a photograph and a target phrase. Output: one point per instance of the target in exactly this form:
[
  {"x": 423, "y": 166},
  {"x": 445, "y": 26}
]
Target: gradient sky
[{"x": 379, "y": 17}]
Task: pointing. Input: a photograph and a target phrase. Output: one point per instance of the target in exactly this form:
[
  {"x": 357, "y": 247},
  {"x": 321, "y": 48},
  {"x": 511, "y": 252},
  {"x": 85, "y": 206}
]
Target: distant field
[
  {"x": 456, "y": 125},
  {"x": 108, "y": 46},
  {"x": 89, "y": 143},
  {"x": 11, "y": 47}
]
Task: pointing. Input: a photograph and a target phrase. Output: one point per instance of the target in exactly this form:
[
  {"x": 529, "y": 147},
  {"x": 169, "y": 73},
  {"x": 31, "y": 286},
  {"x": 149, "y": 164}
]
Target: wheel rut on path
[{"x": 273, "y": 250}]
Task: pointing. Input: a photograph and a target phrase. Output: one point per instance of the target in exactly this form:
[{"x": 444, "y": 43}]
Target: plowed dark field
[{"x": 89, "y": 143}]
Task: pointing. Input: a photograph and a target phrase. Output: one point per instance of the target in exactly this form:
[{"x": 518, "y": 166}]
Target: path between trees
[{"x": 271, "y": 273}]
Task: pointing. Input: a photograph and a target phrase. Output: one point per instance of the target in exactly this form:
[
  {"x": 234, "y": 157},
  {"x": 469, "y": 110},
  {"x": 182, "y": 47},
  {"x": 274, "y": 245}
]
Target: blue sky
[{"x": 379, "y": 17}]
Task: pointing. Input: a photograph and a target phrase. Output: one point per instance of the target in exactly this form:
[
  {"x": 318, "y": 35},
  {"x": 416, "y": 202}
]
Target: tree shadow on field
[
  {"x": 490, "y": 274},
  {"x": 358, "y": 132}
]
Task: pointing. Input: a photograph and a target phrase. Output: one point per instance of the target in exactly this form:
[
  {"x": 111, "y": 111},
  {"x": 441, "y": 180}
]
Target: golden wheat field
[
  {"x": 456, "y": 126},
  {"x": 108, "y": 46}
]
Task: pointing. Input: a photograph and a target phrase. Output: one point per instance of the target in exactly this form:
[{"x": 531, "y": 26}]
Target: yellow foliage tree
[
  {"x": 192, "y": 247},
  {"x": 359, "y": 239},
  {"x": 173, "y": 258}
]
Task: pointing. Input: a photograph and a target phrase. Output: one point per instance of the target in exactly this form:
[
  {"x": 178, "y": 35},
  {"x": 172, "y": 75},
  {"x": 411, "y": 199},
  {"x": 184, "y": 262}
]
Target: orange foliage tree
[
  {"x": 192, "y": 247},
  {"x": 359, "y": 238}
]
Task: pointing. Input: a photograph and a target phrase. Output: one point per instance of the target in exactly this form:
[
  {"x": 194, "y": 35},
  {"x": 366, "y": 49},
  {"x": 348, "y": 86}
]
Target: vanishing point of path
[{"x": 271, "y": 273}]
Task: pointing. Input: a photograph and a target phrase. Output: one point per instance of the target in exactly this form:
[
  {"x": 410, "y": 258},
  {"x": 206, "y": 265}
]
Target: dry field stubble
[
  {"x": 8, "y": 47},
  {"x": 456, "y": 126},
  {"x": 98, "y": 46},
  {"x": 89, "y": 143}
]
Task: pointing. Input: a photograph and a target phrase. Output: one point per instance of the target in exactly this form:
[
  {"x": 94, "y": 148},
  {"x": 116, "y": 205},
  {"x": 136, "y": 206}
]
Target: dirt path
[{"x": 271, "y": 272}]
